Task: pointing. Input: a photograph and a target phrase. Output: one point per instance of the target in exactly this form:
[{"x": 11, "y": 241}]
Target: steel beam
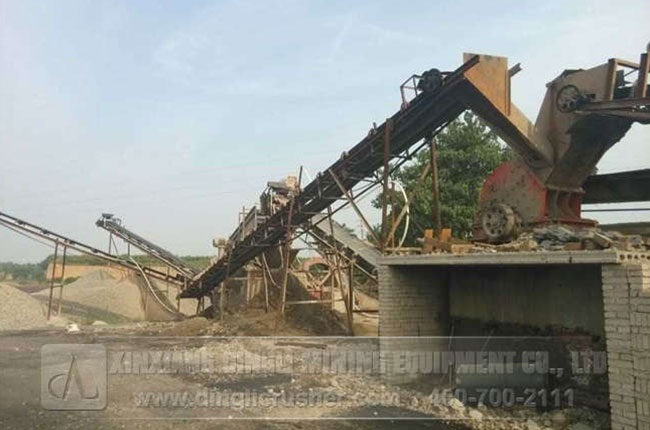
[{"x": 632, "y": 186}]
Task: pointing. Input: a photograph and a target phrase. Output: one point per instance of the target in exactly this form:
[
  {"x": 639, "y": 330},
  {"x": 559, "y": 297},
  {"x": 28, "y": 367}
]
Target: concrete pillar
[
  {"x": 626, "y": 292},
  {"x": 413, "y": 302}
]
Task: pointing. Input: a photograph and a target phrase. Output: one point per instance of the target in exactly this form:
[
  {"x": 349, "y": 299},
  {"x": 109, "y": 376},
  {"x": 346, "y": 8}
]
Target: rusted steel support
[
  {"x": 350, "y": 302},
  {"x": 337, "y": 256},
  {"x": 49, "y": 302},
  {"x": 268, "y": 270},
  {"x": 214, "y": 300},
  {"x": 266, "y": 284},
  {"x": 341, "y": 254},
  {"x": 287, "y": 252},
  {"x": 199, "y": 305},
  {"x": 388, "y": 128},
  {"x": 65, "y": 249},
  {"x": 222, "y": 293},
  {"x": 350, "y": 200},
  {"x": 345, "y": 296},
  {"x": 393, "y": 217},
  {"x": 222, "y": 299},
  {"x": 332, "y": 283},
  {"x": 435, "y": 186}
]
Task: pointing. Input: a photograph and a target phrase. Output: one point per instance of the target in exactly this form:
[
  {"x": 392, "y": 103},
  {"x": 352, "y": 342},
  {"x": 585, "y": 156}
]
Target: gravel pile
[
  {"x": 18, "y": 310},
  {"x": 100, "y": 290}
]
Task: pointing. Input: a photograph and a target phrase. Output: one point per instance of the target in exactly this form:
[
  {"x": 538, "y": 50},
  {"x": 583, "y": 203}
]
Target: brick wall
[
  {"x": 626, "y": 292},
  {"x": 413, "y": 302}
]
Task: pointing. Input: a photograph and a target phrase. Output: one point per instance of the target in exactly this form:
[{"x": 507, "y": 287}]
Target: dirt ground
[
  {"x": 154, "y": 397},
  {"x": 20, "y": 392},
  {"x": 242, "y": 344}
]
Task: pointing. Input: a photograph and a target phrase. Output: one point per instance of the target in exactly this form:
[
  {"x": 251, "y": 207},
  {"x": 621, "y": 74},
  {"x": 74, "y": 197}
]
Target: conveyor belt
[
  {"x": 425, "y": 114},
  {"x": 362, "y": 249},
  {"x": 33, "y": 230},
  {"x": 114, "y": 226}
]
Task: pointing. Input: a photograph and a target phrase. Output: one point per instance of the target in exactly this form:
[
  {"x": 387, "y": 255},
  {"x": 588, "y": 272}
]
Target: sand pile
[
  {"x": 100, "y": 290},
  {"x": 18, "y": 310}
]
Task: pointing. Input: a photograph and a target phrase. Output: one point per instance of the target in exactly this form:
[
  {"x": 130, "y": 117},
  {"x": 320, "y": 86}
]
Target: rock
[
  {"x": 601, "y": 239},
  {"x": 532, "y": 425},
  {"x": 475, "y": 415},
  {"x": 72, "y": 328},
  {"x": 573, "y": 246},
  {"x": 456, "y": 404},
  {"x": 558, "y": 418},
  {"x": 99, "y": 322}
]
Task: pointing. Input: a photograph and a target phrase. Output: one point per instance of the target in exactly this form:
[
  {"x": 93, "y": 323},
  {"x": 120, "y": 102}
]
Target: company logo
[{"x": 73, "y": 377}]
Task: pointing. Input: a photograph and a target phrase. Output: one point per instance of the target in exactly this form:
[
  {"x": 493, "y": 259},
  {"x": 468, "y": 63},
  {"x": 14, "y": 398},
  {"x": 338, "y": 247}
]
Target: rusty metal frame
[
  {"x": 350, "y": 200},
  {"x": 334, "y": 275},
  {"x": 33, "y": 231},
  {"x": 334, "y": 248},
  {"x": 614, "y": 63},
  {"x": 287, "y": 255},
  {"x": 424, "y": 115},
  {"x": 410, "y": 84},
  {"x": 115, "y": 228}
]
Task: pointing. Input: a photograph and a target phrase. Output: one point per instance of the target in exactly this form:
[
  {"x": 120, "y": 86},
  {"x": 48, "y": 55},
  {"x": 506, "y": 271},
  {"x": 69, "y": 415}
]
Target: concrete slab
[{"x": 610, "y": 256}]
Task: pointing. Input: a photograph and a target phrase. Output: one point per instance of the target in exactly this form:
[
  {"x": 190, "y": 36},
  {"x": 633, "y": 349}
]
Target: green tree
[{"x": 468, "y": 151}]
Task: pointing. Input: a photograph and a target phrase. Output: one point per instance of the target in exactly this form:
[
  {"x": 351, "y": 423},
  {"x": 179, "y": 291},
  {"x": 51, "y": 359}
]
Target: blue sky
[{"x": 174, "y": 114}]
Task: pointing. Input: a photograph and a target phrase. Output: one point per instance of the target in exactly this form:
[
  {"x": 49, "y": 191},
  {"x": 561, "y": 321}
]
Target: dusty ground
[
  {"x": 247, "y": 336},
  {"x": 20, "y": 391},
  {"x": 20, "y": 406}
]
